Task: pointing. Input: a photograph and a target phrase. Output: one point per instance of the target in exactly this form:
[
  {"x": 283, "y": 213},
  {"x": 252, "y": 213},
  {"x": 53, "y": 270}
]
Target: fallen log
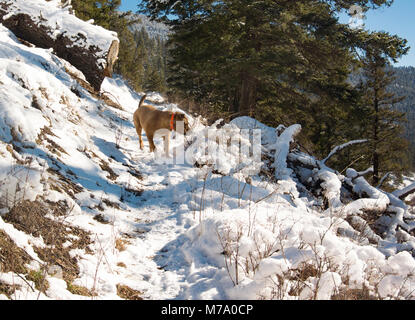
[
  {"x": 47, "y": 24},
  {"x": 403, "y": 193}
]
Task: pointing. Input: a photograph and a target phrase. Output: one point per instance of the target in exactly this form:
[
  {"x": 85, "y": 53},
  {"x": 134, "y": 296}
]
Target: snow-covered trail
[
  {"x": 171, "y": 253},
  {"x": 70, "y": 138},
  {"x": 156, "y": 219},
  {"x": 85, "y": 154},
  {"x": 161, "y": 218},
  {"x": 205, "y": 229},
  {"x": 154, "y": 222}
]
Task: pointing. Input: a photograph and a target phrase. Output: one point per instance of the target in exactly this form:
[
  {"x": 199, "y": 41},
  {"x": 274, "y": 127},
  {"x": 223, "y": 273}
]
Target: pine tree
[
  {"x": 102, "y": 12},
  {"x": 383, "y": 125},
  {"x": 374, "y": 114},
  {"x": 84, "y": 9},
  {"x": 278, "y": 61}
]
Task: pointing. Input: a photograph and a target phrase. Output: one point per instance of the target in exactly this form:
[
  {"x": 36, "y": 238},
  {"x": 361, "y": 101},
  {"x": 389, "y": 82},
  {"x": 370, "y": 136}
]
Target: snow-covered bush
[
  {"x": 227, "y": 150},
  {"x": 279, "y": 245}
]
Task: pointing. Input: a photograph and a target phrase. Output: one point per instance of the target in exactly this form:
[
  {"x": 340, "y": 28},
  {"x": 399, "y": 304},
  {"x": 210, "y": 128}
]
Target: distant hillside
[
  {"x": 143, "y": 55},
  {"x": 405, "y": 86},
  {"x": 153, "y": 28}
]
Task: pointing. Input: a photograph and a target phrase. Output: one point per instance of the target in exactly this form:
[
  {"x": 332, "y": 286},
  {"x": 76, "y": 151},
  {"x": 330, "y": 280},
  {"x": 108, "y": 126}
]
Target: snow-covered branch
[
  {"x": 282, "y": 148},
  {"x": 354, "y": 174},
  {"x": 403, "y": 193},
  {"x": 382, "y": 181},
  {"x": 341, "y": 147}
]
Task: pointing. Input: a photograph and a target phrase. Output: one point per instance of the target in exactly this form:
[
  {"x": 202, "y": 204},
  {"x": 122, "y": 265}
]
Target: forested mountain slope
[{"x": 404, "y": 85}]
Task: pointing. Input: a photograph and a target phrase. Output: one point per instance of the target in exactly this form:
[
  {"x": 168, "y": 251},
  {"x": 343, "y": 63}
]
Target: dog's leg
[
  {"x": 166, "y": 138},
  {"x": 151, "y": 142},
  {"x": 139, "y": 130}
]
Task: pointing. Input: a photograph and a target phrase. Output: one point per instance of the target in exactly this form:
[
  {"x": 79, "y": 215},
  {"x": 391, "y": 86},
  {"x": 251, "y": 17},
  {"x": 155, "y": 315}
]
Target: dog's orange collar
[{"x": 172, "y": 121}]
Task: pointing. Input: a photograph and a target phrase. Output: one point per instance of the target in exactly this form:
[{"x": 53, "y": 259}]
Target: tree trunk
[
  {"x": 91, "y": 49},
  {"x": 247, "y": 94},
  {"x": 376, "y": 177},
  {"x": 375, "y": 156}
]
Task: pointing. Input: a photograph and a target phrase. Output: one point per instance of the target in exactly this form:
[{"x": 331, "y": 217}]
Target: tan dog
[{"x": 155, "y": 121}]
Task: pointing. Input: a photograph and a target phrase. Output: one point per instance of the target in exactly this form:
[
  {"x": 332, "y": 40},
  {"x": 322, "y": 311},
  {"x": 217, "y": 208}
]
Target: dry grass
[
  {"x": 51, "y": 145},
  {"x": 39, "y": 279},
  {"x": 354, "y": 294},
  {"x": 8, "y": 290},
  {"x": 135, "y": 173},
  {"x": 101, "y": 219},
  {"x": 12, "y": 258},
  {"x": 305, "y": 271},
  {"x": 111, "y": 204},
  {"x": 106, "y": 167},
  {"x": 127, "y": 293},
  {"x": 121, "y": 244},
  {"x": 64, "y": 184},
  {"x": 108, "y": 98},
  {"x": 30, "y": 217},
  {"x": 135, "y": 192},
  {"x": 79, "y": 290}
]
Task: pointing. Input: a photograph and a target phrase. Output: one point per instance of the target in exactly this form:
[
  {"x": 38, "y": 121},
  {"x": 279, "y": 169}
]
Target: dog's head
[{"x": 181, "y": 117}]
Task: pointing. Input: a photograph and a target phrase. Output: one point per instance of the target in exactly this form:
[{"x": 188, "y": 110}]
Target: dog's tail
[{"x": 142, "y": 100}]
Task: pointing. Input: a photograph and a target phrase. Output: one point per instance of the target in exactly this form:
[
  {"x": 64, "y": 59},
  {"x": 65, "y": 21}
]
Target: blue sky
[
  {"x": 129, "y": 5},
  {"x": 398, "y": 19}
]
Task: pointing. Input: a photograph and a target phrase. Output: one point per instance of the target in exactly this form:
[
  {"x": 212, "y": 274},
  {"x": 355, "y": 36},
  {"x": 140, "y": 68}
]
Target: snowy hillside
[
  {"x": 153, "y": 28},
  {"x": 85, "y": 214}
]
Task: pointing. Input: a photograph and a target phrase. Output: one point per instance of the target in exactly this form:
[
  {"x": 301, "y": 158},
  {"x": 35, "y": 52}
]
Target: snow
[
  {"x": 376, "y": 199},
  {"x": 60, "y": 22},
  {"x": 268, "y": 134},
  {"x": 207, "y": 227},
  {"x": 332, "y": 187},
  {"x": 282, "y": 148}
]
